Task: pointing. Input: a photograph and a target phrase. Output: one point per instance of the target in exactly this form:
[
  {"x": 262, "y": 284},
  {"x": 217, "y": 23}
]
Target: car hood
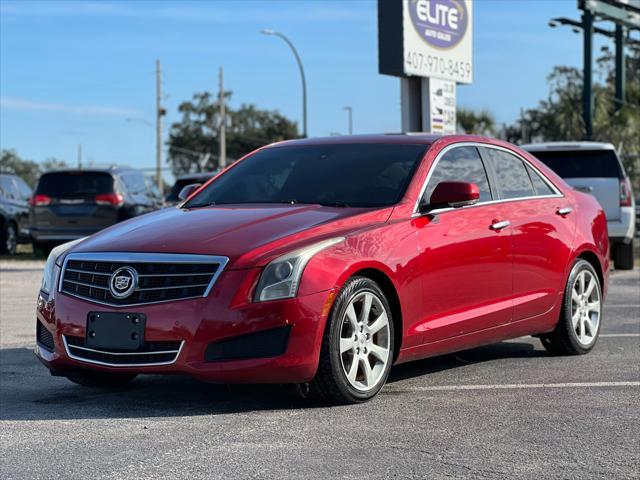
[{"x": 248, "y": 235}]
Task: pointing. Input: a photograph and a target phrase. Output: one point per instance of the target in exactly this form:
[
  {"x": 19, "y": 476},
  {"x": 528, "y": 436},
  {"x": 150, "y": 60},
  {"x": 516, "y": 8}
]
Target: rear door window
[
  {"x": 75, "y": 184},
  {"x": 135, "y": 183},
  {"x": 582, "y": 163},
  {"x": 541, "y": 187},
  {"x": 511, "y": 174},
  {"x": 460, "y": 164},
  {"x": 9, "y": 189}
]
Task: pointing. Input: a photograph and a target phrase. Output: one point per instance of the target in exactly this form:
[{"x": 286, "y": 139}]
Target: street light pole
[
  {"x": 159, "y": 113},
  {"x": 268, "y": 31},
  {"x": 350, "y": 112}
]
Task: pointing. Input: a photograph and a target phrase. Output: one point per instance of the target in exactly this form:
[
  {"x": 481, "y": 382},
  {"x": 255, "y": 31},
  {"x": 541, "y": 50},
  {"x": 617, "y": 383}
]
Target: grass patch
[{"x": 23, "y": 252}]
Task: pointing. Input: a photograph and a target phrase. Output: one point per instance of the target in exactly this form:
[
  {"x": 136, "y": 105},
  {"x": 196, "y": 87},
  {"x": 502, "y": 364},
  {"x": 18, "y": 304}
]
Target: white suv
[{"x": 595, "y": 168}]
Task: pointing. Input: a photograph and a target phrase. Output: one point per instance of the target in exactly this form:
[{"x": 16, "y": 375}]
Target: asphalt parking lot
[{"x": 502, "y": 411}]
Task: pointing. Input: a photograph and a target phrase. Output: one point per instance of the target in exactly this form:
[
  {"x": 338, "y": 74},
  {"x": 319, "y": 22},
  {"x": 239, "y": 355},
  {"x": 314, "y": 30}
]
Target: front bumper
[{"x": 196, "y": 324}]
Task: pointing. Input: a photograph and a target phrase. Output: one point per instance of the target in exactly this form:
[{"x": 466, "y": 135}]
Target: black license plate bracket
[{"x": 115, "y": 330}]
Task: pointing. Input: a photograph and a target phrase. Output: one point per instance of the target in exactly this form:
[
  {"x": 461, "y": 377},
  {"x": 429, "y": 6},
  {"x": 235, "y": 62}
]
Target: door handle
[
  {"x": 500, "y": 225},
  {"x": 564, "y": 211}
]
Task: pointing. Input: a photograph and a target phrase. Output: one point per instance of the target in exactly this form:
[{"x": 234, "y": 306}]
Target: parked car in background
[
  {"x": 595, "y": 168},
  {"x": 184, "y": 180},
  {"x": 323, "y": 262},
  {"x": 14, "y": 212},
  {"x": 74, "y": 203}
]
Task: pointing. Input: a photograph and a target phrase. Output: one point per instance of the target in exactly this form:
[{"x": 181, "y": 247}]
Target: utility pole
[
  {"x": 159, "y": 113},
  {"x": 587, "y": 93},
  {"x": 523, "y": 127},
  {"x": 350, "y": 113},
  {"x": 620, "y": 67},
  {"x": 222, "y": 140},
  {"x": 80, "y": 156}
]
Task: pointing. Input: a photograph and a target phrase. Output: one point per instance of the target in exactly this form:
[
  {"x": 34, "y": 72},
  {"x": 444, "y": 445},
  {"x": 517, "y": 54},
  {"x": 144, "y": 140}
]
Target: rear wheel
[
  {"x": 357, "y": 348},
  {"x": 9, "y": 240},
  {"x": 100, "y": 379},
  {"x": 623, "y": 256},
  {"x": 581, "y": 316}
]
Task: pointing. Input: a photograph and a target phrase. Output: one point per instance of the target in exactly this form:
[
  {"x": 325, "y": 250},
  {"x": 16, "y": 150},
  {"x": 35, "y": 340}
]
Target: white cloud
[{"x": 13, "y": 103}]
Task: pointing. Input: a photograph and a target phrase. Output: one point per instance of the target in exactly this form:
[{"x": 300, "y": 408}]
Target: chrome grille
[
  {"x": 151, "y": 353},
  {"x": 161, "y": 277}
]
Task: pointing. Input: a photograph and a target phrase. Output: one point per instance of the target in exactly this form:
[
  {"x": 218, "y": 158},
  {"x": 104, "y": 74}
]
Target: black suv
[
  {"x": 70, "y": 204},
  {"x": 14, "y": 212}
]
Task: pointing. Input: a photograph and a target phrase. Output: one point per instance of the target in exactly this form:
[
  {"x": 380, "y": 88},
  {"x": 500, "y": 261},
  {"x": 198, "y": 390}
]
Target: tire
[
  {"x": 364, "y": 343},
  {"x": 571, "y": 337},
  {"x": 40, "y": 249},
  {"x": 623, "y": 256},
  {"x": 101, "y": 380},
  {"x": 9, "y": 239}
]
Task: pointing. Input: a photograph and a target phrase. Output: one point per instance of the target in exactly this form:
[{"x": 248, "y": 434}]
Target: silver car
[{"x": 595, "y": 168}]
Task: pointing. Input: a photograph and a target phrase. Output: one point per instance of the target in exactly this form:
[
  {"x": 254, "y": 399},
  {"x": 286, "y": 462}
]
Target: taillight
[
  {"x": 109, "y": 199},
  {"x": 625, "y": 192},
  {"x": 40, "y": 200}
]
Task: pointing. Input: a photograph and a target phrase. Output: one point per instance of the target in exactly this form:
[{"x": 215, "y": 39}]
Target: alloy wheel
[
  {"x": 586, "y": 307},
  {"x": 364, "y": 341}
]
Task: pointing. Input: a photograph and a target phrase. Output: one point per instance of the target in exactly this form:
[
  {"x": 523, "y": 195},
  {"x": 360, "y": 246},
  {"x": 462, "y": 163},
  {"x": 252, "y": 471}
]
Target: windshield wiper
[
  {"x": 324, "y": 204},
  {"x": 334, "y": 204},
  {"x": 200, "y": 205}
]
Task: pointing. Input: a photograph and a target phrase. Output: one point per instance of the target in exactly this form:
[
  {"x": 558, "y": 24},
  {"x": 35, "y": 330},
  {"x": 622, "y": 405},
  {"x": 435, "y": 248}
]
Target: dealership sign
[
  {"x": 426, "y": 38},
  {"x": 440, "y": 23}
]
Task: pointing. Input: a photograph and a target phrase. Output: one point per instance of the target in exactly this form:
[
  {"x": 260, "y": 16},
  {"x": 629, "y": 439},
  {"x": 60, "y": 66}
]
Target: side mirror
[
  {"x": 188, "y": 190},
  {"x": 454, "y": 194}
]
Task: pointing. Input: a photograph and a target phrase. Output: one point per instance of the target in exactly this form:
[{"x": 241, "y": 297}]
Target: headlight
[
  {"x": 49, "y": 274},
  {"x": 280, "y": 279}
]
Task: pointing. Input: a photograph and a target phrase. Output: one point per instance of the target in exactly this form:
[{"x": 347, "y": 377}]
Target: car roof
[
  {"x": 566, "y": 146},
  {"x": 411, "y": 138}
]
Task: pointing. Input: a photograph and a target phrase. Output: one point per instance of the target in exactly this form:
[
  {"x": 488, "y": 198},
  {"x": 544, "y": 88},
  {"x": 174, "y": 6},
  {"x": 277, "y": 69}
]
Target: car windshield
[
  {"x": 75, "y": 184},
  {"x": 356, "y": 175},
  {"x": 581, "y": 163}
]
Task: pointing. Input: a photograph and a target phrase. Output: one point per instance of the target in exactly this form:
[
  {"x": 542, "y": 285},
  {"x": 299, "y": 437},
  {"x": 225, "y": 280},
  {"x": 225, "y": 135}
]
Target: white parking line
[
  {"x": 515, "y": 386},
  {"x": 619, "y": 335},
  {"x": 629, "y": 305}
]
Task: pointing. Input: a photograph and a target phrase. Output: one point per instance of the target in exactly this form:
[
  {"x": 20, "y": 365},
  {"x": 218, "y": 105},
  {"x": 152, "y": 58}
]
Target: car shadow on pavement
[
  {"x": 29, "y": 392},
  {"x": 487, "y": 353}
]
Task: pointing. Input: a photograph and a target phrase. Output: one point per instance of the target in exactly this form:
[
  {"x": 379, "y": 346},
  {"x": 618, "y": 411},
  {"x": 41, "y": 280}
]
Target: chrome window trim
[
  {"x": 134, "y": 257},
  {"x": 416, "y": 213},
  {"x": 107, "y": 364}
]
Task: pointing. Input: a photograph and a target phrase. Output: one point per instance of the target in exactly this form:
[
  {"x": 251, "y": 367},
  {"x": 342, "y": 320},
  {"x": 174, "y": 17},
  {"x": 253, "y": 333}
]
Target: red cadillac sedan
[{"x": 323, "y": 262}]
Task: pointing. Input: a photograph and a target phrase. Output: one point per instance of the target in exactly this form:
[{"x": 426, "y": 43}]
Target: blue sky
[{"x": 74, "y": 72}]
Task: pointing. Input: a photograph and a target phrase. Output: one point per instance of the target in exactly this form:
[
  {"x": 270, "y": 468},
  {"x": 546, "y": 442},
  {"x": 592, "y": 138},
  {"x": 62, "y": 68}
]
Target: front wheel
[
  {"x": 581, "y": 316},
  {"x": 101, "y": 380},
  {"x": 357, "y": 347}
]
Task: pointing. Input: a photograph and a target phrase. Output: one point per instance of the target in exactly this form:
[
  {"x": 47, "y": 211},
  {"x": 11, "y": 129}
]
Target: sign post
[{"x": 429, "y": 45}]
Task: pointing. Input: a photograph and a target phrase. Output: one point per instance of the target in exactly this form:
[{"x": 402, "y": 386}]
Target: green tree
[
  {"x": 11, "y": 162},
  {"x": 472, "y": 122},
  {"x": 53, "y": 163},
  {"x": 559, "y": 116},
  {"x": 193, "y": 141}
]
